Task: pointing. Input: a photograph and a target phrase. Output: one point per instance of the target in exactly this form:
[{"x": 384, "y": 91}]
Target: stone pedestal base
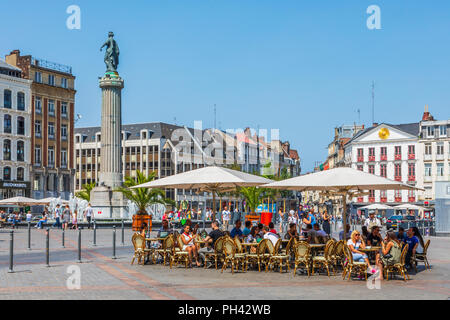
[{"x": 108, "y": 204}]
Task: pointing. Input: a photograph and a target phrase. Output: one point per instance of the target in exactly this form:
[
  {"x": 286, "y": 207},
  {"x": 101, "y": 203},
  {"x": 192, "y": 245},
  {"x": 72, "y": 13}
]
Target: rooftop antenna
[
  {"x": 215, "y": 114},
  {"x": 359, "y": 115},
  {"x": 373, "y": 102},
  {"x": 175, "y": 120}
]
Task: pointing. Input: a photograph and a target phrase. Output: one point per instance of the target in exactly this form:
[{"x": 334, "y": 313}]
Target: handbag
[{"x": 387, "y": 256}]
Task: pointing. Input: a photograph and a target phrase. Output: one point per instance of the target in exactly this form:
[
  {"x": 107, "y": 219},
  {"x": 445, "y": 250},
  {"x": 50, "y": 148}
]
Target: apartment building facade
[
  {"x": 52, "y": 124},
  {"x": 15, "y": 133}
]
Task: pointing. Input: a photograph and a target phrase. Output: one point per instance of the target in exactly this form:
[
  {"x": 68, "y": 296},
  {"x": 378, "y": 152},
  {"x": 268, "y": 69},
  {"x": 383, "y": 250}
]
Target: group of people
[
  {"x": 391, "y": 246},
  {"x": 14, "y": 218},
  {"x": 63, "y": 217}
]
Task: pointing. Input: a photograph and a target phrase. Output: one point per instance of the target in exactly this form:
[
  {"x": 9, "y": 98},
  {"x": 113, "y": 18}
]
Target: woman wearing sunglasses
[{"x": 354, "y": 243}]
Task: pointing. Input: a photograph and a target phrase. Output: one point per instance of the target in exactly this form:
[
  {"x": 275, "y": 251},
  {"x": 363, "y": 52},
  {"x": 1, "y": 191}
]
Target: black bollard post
[
  {"x": 47, "y": 245},
  {"x": 95, "y": 234},
  {"x": 29, "y": 235},
  {"x": 123, "y": 233},
  {"x": 114, "y": 243},
  {"x": 11, "y": 252},
  {"x": 63, "y": 245},
  {"x": 79, "y": 246}
]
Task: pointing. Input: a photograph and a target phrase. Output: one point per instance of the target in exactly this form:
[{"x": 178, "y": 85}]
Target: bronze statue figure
[{"x": 111, "y": 53}]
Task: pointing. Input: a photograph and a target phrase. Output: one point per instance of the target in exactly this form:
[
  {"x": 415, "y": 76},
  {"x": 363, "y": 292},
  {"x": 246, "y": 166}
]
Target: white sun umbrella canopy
[
  {"x": 340, "y": 181},
  {"x": 52, "y": 199},
  {"x": 408, "y": 206},
  {"x": 376, "y": 206},
  {"x": 20, "y": 201},
  {"x": 210, "y": 179}
]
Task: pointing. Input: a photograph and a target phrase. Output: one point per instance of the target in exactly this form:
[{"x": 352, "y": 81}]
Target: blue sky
[{"x": 301, "y": 66}]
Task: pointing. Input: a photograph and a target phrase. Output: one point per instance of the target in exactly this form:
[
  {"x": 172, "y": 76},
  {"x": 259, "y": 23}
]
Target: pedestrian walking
[
  {"x": 88, "y": 213},
  {"x": 326, "y": 222},
  {"x": 75, "y": 220},
  {"x": 226, "y": 215},
  {"x": 57, "y": 216},
  {"x": 66, "y": 218}
]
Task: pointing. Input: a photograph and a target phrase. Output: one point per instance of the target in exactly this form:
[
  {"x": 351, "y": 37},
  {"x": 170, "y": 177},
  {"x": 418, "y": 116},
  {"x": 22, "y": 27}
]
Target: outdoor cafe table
[
  {"x": 371, "y": 251},
  {"x": 249, "y": 245},
  {"x": 316, "y": 247}
]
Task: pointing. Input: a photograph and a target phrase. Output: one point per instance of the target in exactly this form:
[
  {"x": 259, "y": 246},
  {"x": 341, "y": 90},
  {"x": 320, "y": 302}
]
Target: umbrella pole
[
  {"x": 214, "y": 207},
  {"x": 344, "y": 215}
]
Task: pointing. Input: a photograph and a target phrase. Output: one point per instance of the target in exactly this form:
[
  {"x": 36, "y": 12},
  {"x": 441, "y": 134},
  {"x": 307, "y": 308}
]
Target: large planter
[
  {"x": 252, "y": 217},
  {"x": 139, "y": 220}
]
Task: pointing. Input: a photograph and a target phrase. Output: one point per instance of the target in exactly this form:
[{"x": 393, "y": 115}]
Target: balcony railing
[
  {"x": 412, "y": 199},
  {"x": 360, "y": 199},
  {"x": 51, "y": 65},
  {"x": 411, "y": 156},
  {"x": 383, "y": 157},
  {"x": 371, "y": 199},
  {"x": 398, "y": 157},
  {"x": 411, "y": 178},
  {"x": 383, "y": 199},
  {"x": 371, "y": 158},
  {"x": 398, "y": 199},
  {"x": 398, "y": 178},
  {"x": 360, "y": 158}
]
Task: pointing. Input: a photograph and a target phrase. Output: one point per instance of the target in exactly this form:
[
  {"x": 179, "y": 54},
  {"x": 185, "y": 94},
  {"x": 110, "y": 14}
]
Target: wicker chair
[
  {"x": 239, "y": 247},
  {"x": 231, "y": 256},
  {"x": 325, "y": 260},
  {"x": 302, "y": 256},
  {"x": 278, "y": 257},
  {"x": 217, "y": 254},
  {"x": 140, "y": 251},
  {"x": 398, "y": 267},
  {"x": 166, "y": 249},
  {"x": 421, "y": 257},
  {"x": 260, "y": 257},
  {"x": 179, "y": 255},
  {"x": 351, "y": 265},
  {"x": 337, "y": 254}
]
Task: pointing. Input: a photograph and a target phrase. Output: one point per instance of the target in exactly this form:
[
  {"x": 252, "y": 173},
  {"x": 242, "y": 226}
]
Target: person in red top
[{"x": 272, "y": 228}]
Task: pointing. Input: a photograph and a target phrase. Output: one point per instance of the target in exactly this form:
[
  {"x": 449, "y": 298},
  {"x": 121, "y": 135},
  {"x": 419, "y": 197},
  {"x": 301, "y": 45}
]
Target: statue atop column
[{"x": 111, "y": 54}]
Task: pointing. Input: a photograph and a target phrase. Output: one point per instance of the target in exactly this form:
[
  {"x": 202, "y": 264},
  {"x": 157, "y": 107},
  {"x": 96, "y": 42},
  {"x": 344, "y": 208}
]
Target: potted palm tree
[{"x": 143, "y": 197}]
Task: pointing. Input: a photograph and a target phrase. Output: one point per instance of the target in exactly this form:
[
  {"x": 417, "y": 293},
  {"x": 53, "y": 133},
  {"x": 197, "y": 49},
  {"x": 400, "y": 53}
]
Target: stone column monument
[{"x": 106, "y": 202}]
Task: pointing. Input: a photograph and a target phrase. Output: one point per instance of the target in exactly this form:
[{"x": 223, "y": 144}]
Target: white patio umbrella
[
  {"x": 340, "y": 181},
  {"x": 20, "y": 201},
  {"x": 408, "y": 206},
  {"x": 51, "y": 199},
  {"x": 376, "y": 206},
  {"x": 210, "y": 179}
]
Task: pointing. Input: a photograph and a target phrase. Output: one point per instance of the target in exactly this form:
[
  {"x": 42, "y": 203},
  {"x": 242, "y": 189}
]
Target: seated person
[
  {"x": 164, "y": 231},
  {"x": 292, "y": 232},
  {"x": 236, "y": 231},
  {"x": 401, "y": 234},
  {"x": 272, "y": 228},
  {"x": 354, "y": 243},
  {"x": 273, "y": 237},
  {"x": 310, "y": 234},
  {"x": 211, "y": 239},
  {"x": 319, "y": 232},
  {"x": 261, "y": 230},
  {"x": 247, "y": 229},
  {"x": 40, "y": 223},
  {"x": 391, "y": 252},
  {"x": 347, "y": 231},
  {"x": 189, "y": 246},
  {"x": 365, "y": 233},
  {"x": 374, "y": 238},
  {"x": 252, "y": 236},
  {"x": 143, "y": 229}
]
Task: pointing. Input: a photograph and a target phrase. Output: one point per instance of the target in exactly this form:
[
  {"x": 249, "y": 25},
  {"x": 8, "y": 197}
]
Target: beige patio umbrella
[
  {"x": 209, "y": 179},
  {"x": 376, "y": 206},
  {"x": 20, "y": 201},
  {"x": 51, "y": 199},
  {"x": 340, "y": 181}
]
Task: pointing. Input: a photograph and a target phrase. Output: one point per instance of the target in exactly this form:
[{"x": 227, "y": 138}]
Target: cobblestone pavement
[{"x": 105, "y": 278}]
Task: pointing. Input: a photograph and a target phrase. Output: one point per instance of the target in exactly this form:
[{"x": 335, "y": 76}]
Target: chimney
[
  {"x": 426, "y": 115},
  {"x": 12, "y": 58},
  {"x": 375, "y": 124}
]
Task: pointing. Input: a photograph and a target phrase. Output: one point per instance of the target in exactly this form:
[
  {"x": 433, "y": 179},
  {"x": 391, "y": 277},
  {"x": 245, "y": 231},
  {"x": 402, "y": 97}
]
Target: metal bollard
[
  {"x": 29, "y": 235},
  {"x": 63, "y": 245},
  {"x": 79, "y": 246},
  {"x": 95, "y": 234},
  {"x": 47, "y": 245},
  {"x": 123, "y": 233},
  {"x": 114, "y": 243},
  {"x": 11, "y": 252}
]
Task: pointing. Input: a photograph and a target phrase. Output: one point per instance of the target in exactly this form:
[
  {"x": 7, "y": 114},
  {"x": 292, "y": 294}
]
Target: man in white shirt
[
  {"x": 269, "y": 235},
  {"x": 57, "y": 216},
  {"x": 226, "y": 215},
  {"x": 89, "y": 212},
  {"x": 372, "y": 221}
]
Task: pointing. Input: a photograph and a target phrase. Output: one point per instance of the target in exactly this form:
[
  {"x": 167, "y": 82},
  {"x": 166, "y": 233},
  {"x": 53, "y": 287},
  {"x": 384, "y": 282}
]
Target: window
[
  {"x": 398, "y": 195},
  {"x": 21, "y": 101},
  {"x": 428, "y": 149},
  {"x": 21, "y": 126},
  {"x": 64, "y": 109},
  {"x": 7, "y": 173},
  {"x": 7, "y": 123},
  {"x": 398, "y": 153},
  {"x": 51, "y": 107},
  {"x": 360, "y": 168},
  {"x": 37, "y": 128},
  {"x": 7, "y": 102},
  {"x": 440, "y": 148},
  {"x": 372, "y": 169},
  {"x": 411, "y": 170},
  {"x": 360, "y": 155},
  {"x": 430, "y": 132},
  {"x": 51, "y": 130},
  {"x": 64, "y": 83},
  {"x": 383, "y": 171},
  {"x": 38, "y": 105},
  {"x": 443, "y": 131},
  {"x": 64, "y": 158},
  {"x": 51, "y": 157},
  {"x": 20, "y": 174},
  {"x": 38, "y": 77},
  {"x": 37, "y": 183},
  {"x": 427, "y": 169},
  {"x": 37, "y": 155},
  {"x": 7, "y": 150},
  {"x": 51, "y": 79},
  {"x": 440, "y": 169},
  {"x": 371, "y": 152},
  {"x": 64, "y": 132},
  {"x": 398, "y": 171},
  {"x": 411, "y": 149},
  {"x": 20, "y": 151}
]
